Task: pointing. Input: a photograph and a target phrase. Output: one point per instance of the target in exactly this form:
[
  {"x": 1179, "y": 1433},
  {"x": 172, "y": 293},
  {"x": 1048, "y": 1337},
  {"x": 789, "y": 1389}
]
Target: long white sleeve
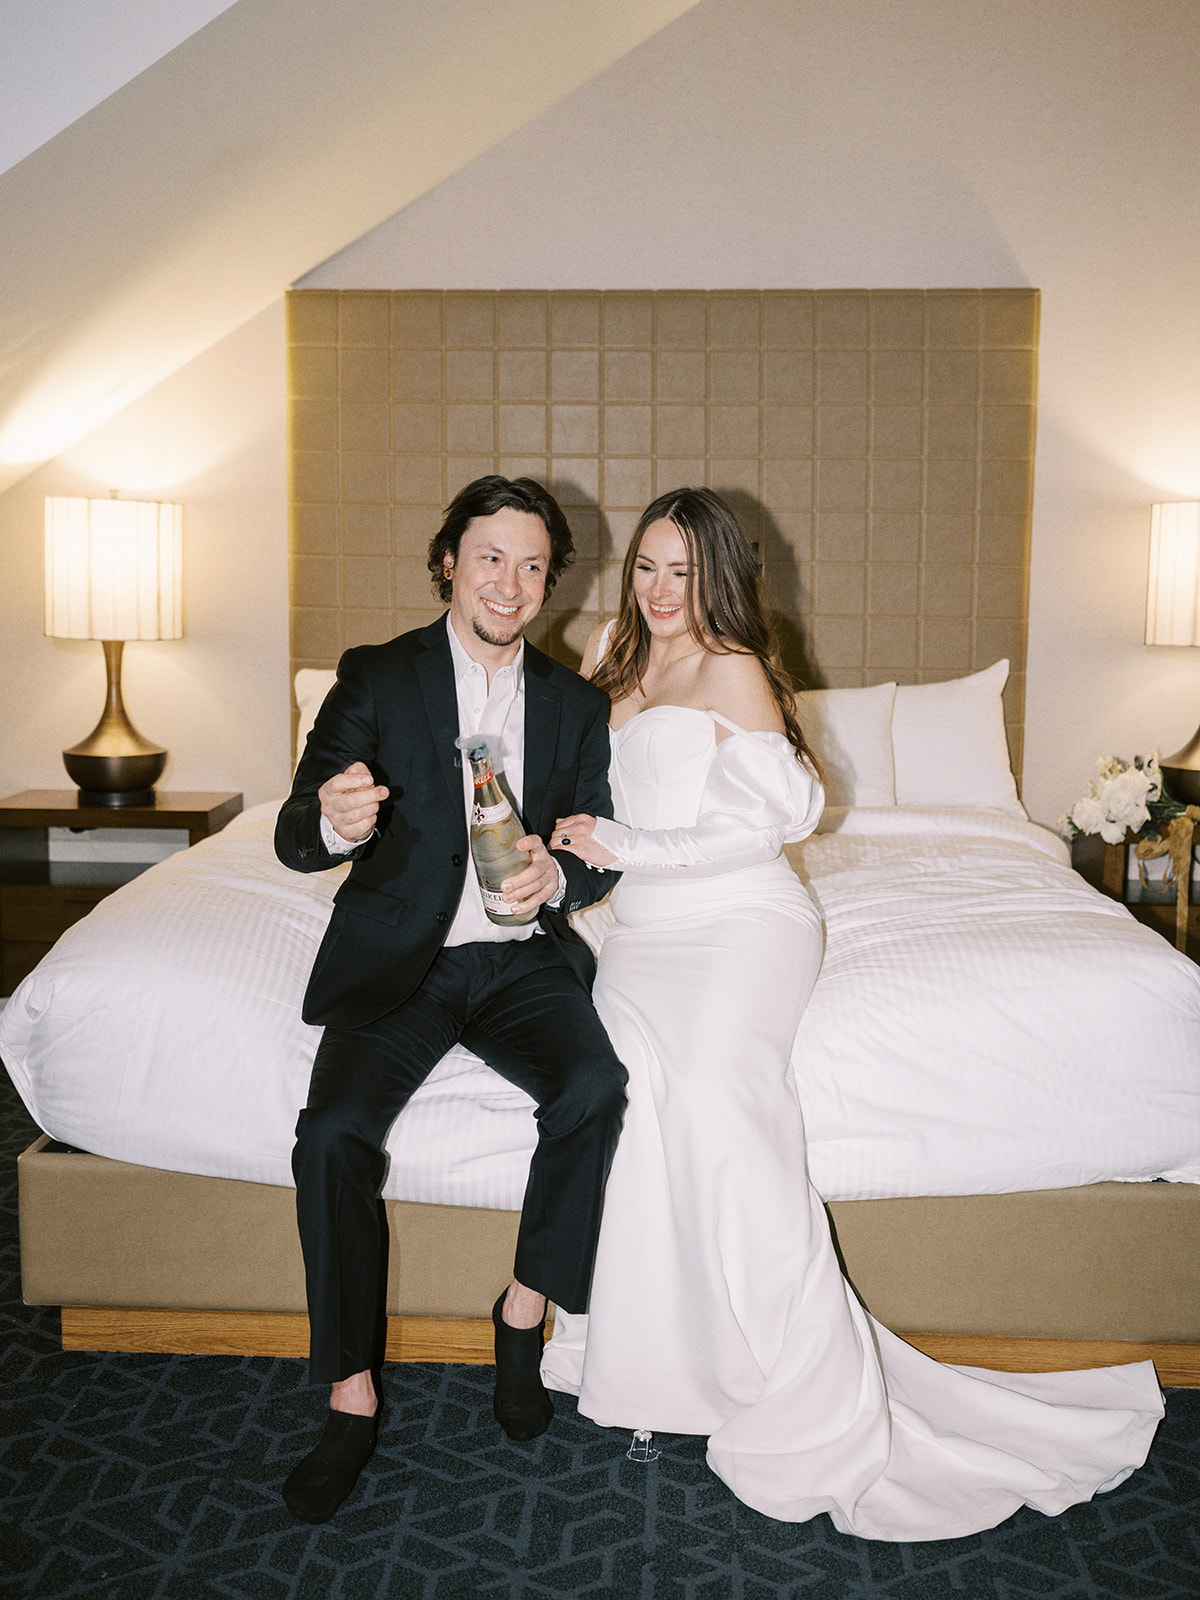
[{"x": 757, "y": 798}]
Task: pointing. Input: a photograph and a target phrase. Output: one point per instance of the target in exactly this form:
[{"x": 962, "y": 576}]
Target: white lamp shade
[
  {"x": 1173, "y": 594},
  {"x": 114, "y": 569}
]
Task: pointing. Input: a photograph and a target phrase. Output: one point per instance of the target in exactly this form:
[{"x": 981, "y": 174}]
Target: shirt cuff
[
  {"x": 556, "y": 899},
  {"x": 333, "y": 841}
]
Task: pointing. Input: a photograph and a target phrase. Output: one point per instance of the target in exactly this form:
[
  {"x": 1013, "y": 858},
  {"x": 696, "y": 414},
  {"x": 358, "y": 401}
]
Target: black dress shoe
[
  {"x": 521, "y": 1405},
  {"x": 317, "y": 1485}
]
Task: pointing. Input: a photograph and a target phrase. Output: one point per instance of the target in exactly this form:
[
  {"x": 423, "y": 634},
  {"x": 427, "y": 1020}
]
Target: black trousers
[{"x": 519, "y": 1006}]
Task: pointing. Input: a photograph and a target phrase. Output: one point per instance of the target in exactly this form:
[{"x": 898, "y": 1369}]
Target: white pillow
[
  {"x": 949, "y": 744},
  {"x": 312, "y": 685},
  {"x": 851, "y": 732}
]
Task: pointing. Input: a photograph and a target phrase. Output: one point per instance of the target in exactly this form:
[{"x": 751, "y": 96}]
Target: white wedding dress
[{"x": 717, "y": 1305}]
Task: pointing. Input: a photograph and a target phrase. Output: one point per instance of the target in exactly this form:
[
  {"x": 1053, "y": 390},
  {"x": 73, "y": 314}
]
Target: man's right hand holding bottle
[{"x": 351, "y": 801}]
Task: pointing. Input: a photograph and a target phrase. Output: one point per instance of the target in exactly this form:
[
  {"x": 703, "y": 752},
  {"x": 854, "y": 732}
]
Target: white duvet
[{"x": 983, "y": 1022}]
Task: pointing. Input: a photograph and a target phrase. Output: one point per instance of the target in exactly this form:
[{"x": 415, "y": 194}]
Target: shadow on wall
[
  {"x": 565, "y": 622},
  {"x": 787, "y": 597},
  {"x": 556, "y": 630}
]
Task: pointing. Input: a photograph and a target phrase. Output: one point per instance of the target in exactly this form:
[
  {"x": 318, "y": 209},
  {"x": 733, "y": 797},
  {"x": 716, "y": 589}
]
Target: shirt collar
[{"x": 464, "y": 663}]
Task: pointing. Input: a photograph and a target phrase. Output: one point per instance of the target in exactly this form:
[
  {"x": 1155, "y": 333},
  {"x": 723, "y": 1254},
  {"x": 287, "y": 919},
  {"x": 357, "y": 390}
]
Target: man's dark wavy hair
[{"x": 483, "y": 498}]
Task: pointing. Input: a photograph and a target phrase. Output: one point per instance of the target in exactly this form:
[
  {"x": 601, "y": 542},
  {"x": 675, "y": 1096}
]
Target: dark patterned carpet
[{"x": 157, "y": 1478}]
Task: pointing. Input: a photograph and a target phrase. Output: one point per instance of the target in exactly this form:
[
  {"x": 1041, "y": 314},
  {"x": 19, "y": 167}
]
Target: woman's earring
[{"x": 446, "y": 571}]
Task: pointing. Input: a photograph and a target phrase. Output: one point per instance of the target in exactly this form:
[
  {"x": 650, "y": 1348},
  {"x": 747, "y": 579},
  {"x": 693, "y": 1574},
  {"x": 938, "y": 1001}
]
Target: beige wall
[
  {"x": 910, "y": 143},
  {"x": 877, "y": 446},
  {"x": 212, "y": 437},
  {"x": 766, "y": 143}
]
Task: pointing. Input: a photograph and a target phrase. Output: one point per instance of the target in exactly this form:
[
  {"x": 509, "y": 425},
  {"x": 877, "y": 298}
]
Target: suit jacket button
[
  {"x": 456, "y": 861},
  {"x": 441, "y": 918}
]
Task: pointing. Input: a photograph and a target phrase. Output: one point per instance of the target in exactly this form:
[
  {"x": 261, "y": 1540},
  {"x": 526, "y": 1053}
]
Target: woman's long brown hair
[{"x": 724, "y": 588}]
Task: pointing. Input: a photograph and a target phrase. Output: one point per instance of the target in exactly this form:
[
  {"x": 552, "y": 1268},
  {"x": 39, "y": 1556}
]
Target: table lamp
[
  {"x": 114, "y": 571},
  {"x": 1173, "y": 617}
]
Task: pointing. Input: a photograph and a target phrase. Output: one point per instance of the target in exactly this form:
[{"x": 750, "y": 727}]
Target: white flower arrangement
[{"x": 1123, "y": 795}]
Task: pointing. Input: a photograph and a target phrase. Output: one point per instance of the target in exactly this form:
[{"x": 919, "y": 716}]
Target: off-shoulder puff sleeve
[{"x": 757, "y": 798}]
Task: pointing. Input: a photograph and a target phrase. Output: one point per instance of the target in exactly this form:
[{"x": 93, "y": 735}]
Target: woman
[{"x": 717, "y": 1303}]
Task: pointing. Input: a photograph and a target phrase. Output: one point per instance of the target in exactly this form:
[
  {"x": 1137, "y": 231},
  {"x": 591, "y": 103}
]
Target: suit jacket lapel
[
  {"x": 543, "y": 708},
  {"x": 435, "y": 674}
]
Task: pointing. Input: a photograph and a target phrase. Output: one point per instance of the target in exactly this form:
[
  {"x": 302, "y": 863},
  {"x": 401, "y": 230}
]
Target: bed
[{"x": 999, "y": 1071}]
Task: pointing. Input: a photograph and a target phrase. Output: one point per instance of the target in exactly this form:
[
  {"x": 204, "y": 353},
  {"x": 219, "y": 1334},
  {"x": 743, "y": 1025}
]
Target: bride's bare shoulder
[
  {"x": 592, "y": 650},
  {"x": 736, "y": 685}
]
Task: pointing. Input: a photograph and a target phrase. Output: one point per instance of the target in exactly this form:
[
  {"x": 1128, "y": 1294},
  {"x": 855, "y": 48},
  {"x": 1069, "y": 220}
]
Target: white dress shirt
[{"x": 498, "y": 712}]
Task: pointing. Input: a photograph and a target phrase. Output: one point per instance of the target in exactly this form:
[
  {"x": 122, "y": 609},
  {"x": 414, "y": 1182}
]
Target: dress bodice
[
  {"x": 687, "y": 804},
  {"x": 660, "y": 761}
]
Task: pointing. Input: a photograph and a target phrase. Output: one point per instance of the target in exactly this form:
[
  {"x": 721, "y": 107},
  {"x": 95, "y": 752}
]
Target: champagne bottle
[{"x": 495, "y": 828}]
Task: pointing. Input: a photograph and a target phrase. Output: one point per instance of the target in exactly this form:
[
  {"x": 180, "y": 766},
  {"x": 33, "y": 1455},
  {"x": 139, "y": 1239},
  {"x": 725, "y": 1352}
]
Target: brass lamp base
[
  {"x": 1181, "y": 772},
  {"x": 115, "y": 772},
  {"x": 114, "y": 765}
]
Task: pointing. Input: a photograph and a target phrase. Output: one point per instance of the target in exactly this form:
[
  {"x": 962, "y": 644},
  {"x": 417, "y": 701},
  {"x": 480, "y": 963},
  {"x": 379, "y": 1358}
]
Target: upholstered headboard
[{"x": 877, "y": 444}]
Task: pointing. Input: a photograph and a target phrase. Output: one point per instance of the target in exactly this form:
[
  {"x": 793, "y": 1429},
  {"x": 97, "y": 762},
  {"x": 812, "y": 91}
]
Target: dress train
[{"x": 718, "y": 1305}]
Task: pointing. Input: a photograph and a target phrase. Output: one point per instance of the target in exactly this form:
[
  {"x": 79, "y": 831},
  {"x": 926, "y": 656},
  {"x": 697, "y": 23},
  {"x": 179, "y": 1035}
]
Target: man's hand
[
  {"x": 537, "y": 883},
  {"x": 351, "y": 801}
]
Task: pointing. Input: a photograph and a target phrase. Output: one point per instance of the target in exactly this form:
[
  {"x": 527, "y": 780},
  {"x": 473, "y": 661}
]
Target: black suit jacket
[{"x": 394, "y": 707}]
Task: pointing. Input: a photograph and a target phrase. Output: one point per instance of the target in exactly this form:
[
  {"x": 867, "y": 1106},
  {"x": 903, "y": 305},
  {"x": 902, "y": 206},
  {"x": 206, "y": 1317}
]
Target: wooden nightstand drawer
[
  {"x": 1105, "y": 867},
  {"x": 32, "y": 918},
  {"x": 1163, "y": 920},
  {"x": 41, "y": 898},
  {"x": 17, "y": 961},
  {"x": 40, "y": 912}
]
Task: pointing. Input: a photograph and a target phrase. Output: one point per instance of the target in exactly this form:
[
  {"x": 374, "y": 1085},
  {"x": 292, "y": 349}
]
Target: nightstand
[
  {"x": 1169, "y": 912},
  {"x": 40, "y": 899}
]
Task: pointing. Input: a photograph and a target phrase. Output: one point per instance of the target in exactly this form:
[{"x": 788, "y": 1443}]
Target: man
[{"x": 411, "y": 964}]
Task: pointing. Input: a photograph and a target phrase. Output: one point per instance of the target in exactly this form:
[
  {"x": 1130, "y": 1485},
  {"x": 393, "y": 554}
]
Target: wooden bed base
[
  {"x": 141, "y": 1259},
  {"x": 469, "y": 1340}
]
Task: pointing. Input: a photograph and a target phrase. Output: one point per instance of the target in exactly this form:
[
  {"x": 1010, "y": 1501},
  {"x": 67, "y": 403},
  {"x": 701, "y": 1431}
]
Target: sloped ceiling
[
  {"x": 61, "y": 59},
  {"x": 189, "y": 199}
]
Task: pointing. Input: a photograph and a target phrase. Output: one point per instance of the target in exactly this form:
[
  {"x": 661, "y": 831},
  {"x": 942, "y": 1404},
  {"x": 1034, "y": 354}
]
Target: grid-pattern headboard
[{"x": 877, "y": 444}]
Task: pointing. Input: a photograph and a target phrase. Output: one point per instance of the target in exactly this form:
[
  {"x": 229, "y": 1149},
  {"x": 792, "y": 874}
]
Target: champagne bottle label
[{"x": 495, "y": 828}]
